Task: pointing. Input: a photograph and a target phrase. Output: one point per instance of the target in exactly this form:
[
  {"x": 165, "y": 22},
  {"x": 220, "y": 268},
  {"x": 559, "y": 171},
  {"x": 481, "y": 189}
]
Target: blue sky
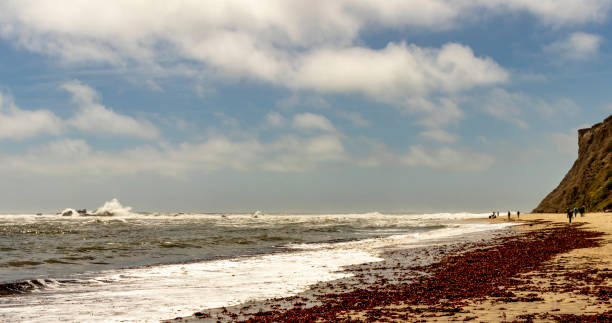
[{"x": 296, "y": 106}]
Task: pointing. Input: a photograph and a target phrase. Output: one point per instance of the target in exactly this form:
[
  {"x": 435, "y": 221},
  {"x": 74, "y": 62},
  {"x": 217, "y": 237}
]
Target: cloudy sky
[{"x": 296, "y": 106}]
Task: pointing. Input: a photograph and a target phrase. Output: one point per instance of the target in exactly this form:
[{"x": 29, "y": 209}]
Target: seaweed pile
[{"x": 486, "y": 271}]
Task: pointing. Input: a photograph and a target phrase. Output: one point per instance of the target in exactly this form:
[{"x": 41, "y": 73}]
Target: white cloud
[
  {"x": 506, "y": 106},
  {"x": 512, "y": 106},
  {"x": 577, "y": 46},
  {"x": 310, "y": 46},
  {"x": 81, "y": 94},
  {"x": 275, "y": 119},
  {"x": 372, "y": 153},
  {"x": 294, "y": 154},
  {"x": 69, "y": 156},
  {"x": 355, "y": 118},
  {"x": 219, "y": 33},
  {"x": 309, "y": 100},
  {"x": 75, "y": 156},
  {"x": 439, "y": 135},
  {"x": 305, "y": 45},
  {"x": 434, "y": 114},
  {"x": 447, "y": 158},
  {"x": 287, "y": 42},
  {"x": 16, "y": 123},
  {"x": 565, "y": 143},
  {"x": 399, "y": 70},
  {"x": 554, "y": 12},
  {"x": 289, "y": 153},
  {"x": 310, "y": 121},
  {"x": 96, "y": 118},
  {"x": 560, "y": 106}
]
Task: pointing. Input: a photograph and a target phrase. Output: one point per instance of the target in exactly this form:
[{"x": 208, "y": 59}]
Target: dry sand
[
  {"x": 598, "y": 259},
  {"x": 569, "y": 274}
]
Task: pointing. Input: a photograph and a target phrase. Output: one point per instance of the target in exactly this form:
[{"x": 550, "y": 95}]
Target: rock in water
[
  {"x": 589, "y": 181},
  {"x": 68, "y": 212}
]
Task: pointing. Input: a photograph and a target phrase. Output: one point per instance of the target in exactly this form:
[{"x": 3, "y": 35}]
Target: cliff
[{"x": 589, "y": 181}]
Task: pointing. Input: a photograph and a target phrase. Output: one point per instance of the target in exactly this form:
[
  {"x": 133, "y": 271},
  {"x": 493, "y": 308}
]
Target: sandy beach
[
  {"x": 546, "y": 271},
  {"x": 572, "y": 286}
]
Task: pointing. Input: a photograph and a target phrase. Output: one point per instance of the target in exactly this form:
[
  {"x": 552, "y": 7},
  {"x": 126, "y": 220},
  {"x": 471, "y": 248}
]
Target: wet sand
[{"x": 546, "y": 270}]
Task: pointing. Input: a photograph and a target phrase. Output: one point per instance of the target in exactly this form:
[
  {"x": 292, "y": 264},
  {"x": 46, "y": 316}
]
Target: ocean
[{"x": 119, "y": 265}]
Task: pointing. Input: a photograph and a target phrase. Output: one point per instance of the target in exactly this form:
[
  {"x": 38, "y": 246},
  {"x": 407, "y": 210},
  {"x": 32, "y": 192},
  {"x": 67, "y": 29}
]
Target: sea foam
[
  {"x": 113, "y": 207},
  {"x": 166, "y": 291}
]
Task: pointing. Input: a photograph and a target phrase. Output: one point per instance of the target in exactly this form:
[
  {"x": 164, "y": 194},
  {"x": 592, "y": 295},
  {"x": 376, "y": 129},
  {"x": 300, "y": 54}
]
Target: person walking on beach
[
  {"x": 508, "y": 215},
  {"x": 518, "y": 214},
  {"x": 582, "y": 209},
  {"x": 569, "y": 215},
  {"x": 575, "y": 212}
]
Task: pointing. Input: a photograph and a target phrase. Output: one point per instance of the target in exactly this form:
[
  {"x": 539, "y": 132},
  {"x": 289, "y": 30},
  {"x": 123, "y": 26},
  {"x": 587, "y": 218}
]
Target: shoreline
[
  {"x": 480, "y": 280},
  {"x": 400, "y": 266}
]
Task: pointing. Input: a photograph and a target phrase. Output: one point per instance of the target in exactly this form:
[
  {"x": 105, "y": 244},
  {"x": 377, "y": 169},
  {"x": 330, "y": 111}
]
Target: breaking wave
[
  {"x": 113, "y": 207},
  {"x": 110, "y": 208}
]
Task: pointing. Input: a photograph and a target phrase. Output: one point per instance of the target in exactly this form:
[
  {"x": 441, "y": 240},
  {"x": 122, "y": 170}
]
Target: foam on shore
[
  {"x": 172, "y": 290},
  {"x": 166, "y": 291}
]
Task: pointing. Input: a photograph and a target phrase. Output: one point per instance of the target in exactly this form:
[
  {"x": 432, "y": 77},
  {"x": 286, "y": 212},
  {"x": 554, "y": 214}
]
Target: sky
[{"x": 297, "y": 106}]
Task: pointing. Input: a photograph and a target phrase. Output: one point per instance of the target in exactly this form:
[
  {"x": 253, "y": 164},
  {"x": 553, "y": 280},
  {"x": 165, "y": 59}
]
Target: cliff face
[{"x": 589, "y": 182}]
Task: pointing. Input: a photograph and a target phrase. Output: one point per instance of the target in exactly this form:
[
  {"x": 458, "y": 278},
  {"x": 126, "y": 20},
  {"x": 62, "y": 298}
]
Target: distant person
[
  {"x": 582, "y": 210},
  {"x": 518, "y": 214},
  {"x": 508, "y": 215},
  {"x": 569, "y": 215},
  {"x": 575, "y": 212}
]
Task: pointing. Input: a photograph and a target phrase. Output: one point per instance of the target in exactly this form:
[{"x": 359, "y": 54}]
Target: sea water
[{"x": 148, "y": 267}]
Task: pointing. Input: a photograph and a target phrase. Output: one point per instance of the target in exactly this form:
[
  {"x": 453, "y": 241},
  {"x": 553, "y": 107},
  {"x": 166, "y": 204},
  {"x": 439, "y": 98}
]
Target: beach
[
  {"x": 144, "y": 267},
  {"x": 545, "y": 270},
  {"x": 572, "y": 286}
]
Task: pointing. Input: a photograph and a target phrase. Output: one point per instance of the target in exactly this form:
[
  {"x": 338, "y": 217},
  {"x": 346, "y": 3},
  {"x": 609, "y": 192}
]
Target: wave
[
  {"x": 113, "y": 207},
  {"x": 110, "y": 208},
  {"x": 26, "y": 286},
  {"x": 88, "y": 297},
  {"x": 69, "y": 212}
]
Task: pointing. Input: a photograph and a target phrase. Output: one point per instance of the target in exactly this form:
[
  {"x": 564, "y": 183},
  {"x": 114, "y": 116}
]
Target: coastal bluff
[{"x": 589, "y": 181}]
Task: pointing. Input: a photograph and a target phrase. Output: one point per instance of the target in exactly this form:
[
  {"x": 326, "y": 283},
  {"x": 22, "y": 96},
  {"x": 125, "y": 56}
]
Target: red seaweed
[{"x": 449, "y": 284}]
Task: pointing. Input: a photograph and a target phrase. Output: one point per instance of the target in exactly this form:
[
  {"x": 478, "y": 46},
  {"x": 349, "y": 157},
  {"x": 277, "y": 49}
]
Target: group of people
[
  {"x": 496, "y": 214},
  {"x": 574, "y": 213},
  {"x": 570, "y": 213}
]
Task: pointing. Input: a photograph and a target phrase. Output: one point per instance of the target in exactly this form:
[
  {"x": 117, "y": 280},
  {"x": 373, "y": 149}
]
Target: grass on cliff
[{"x": 599, "y": 196}]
